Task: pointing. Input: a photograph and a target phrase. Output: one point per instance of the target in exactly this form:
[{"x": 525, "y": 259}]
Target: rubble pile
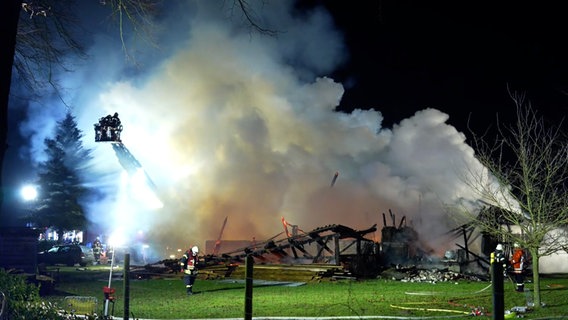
[{"x": 427, "y": 275}]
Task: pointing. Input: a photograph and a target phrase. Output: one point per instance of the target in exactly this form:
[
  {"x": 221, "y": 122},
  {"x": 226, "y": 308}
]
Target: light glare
[{"x": 29, "y": 193}]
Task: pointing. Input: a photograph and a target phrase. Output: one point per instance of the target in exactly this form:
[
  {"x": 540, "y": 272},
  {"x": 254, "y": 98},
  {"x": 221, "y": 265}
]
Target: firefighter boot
[{"x": 189, "y": 291}]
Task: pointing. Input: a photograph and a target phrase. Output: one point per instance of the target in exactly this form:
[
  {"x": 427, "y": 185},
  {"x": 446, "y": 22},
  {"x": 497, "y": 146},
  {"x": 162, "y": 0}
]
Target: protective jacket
[
  {"x": 188, "y": 263},
  {"x": 518, "y": 260}
]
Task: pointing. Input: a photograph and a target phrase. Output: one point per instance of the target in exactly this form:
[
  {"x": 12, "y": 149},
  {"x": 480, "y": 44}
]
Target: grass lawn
[{"x": 164, "y": 298}]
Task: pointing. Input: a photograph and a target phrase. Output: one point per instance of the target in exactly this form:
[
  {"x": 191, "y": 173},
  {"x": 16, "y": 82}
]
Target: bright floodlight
[
  {"x": 117, "y": 239},
  {"x": 29, "y": 193}
]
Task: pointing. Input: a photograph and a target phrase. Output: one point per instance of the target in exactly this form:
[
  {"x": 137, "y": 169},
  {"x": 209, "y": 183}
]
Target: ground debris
[
  {"x": 434, "y": 275},
  {"x": 159, "y": 269}
]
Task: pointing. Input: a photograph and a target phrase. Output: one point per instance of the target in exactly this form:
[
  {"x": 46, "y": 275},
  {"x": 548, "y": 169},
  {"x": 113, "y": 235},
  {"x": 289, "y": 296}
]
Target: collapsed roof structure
[
  {"x": 352, "y": 250},
  {"x": 332, "y": 244}
]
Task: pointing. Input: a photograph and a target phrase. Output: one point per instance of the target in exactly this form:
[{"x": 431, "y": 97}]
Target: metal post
[
  {"x": 248, "y": 287},
  {"x": 109, "y": 281},
  {"x": 126, "y": 286},
  {"x": 498, "y": 286}
]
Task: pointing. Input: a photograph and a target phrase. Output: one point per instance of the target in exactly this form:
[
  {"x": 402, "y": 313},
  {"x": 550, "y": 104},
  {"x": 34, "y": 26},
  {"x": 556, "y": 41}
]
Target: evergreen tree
[{"x": 60, "y": 180}]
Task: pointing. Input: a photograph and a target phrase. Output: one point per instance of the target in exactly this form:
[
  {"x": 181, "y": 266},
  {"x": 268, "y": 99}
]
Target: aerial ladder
[{"x": 108, "y": 129}]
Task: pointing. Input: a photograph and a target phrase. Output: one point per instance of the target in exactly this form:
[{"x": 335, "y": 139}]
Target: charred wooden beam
[
  {"x": 473, "y": 254},
  {"x": 401, "y": 222}
]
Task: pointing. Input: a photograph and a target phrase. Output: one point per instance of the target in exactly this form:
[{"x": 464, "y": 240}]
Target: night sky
[{"x": 455, "y": 56}]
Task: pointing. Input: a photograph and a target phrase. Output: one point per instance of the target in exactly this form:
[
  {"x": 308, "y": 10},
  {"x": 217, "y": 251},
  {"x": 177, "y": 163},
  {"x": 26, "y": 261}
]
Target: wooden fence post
[{"x": 248, "y": 287}]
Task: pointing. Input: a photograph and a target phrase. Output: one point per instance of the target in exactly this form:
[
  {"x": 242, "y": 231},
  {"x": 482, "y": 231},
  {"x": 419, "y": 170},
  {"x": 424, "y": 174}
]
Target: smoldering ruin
[{"x": 338, "y": 251}]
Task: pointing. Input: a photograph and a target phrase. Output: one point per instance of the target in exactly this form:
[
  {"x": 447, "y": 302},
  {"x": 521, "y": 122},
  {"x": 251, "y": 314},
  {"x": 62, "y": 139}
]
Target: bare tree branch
[
  {"x": 45, "y": 37},
  {"x": 251, "y": 17},
  {"x": 138, "y": 14},
  {"x": 525, "y": 183}
]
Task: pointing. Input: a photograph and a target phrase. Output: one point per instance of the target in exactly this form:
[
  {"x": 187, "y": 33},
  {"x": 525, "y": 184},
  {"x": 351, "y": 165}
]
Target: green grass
[{"x": 165, "y": 298}]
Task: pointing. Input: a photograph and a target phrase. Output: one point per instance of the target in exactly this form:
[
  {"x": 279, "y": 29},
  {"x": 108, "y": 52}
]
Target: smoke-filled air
[{"x": 229, "y": 122}]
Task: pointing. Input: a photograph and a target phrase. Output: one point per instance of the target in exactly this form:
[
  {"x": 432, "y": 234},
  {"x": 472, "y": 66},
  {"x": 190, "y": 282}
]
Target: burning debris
[
  {"x": 334, "y": 179},
  {"x": 333, "y": 252},
  {"x": 332, "y": 244},
  {"x": 400, "y": 255}
]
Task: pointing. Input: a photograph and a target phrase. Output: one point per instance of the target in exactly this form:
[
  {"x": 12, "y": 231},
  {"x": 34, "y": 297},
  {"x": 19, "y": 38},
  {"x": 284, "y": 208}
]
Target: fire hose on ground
[
  {"x": 464, "y": 313},
  {"x": 435, "y": 293},
  {"x": 476, "y": 311}
]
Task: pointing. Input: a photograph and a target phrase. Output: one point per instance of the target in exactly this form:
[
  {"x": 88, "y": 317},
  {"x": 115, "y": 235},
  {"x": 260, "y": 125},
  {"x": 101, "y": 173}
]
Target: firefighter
[
  {"x": 517, "y": 262},
  {"x": 188, "y": 263},
  {"x": 498, "y": 255},
  {"x": 98, "y": 131},
  {"x": 115, "y": 120},
  {"x": 114, "y": 124},
  {"x": 97, "y": 250},
  {"x": 103, "y": 124}
]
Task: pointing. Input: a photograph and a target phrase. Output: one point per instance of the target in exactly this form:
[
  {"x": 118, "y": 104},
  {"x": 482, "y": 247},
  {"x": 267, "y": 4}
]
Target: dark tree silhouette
[
  {"x": 9, "y": 13},
  {"x": 60, "y": 180}
]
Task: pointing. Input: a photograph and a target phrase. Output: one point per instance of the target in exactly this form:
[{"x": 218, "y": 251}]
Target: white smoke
[{"x": 234, "y": 123}]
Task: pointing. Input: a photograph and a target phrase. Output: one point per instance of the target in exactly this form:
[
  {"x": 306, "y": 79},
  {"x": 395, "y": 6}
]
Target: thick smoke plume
[{"x": 232, "y": 123}]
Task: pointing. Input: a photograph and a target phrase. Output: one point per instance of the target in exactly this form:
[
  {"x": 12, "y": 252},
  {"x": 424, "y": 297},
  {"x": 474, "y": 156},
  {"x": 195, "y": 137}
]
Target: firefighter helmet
[
  {"x": 499, "y": 247},
  {"x": 194, "y": 250}
]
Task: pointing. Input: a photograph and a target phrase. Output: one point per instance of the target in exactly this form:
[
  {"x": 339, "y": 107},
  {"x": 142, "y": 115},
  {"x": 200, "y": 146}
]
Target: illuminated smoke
[{"x": 240, "y": 125}]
